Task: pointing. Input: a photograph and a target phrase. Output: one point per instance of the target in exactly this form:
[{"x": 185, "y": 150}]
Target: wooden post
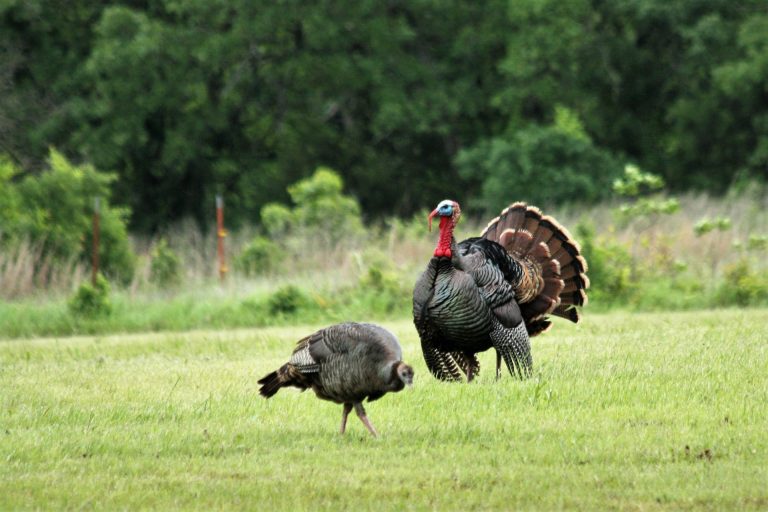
[
  {"x": 220, "y": 234},
  {"x": 95, "y": 254}
]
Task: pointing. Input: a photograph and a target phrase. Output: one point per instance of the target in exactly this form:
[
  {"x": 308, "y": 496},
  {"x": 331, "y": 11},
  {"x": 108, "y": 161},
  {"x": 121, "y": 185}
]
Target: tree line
[{"x": 411, "y": 102}]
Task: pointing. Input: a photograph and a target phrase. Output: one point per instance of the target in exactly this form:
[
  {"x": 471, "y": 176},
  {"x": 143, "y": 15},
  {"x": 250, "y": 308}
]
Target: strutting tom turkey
[
  {"x": 345, "y": 363},
  {"x": 495, "y": 290}
]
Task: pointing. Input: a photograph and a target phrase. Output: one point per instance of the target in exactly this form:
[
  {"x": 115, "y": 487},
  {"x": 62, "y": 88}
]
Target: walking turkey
[
  {"x": 344, "y": 363},
  {"x": 495, "y": 290}
]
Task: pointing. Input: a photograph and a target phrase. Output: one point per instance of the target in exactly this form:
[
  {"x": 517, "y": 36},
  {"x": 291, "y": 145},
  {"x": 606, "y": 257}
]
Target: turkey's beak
[{"x": 432, "y": 216}]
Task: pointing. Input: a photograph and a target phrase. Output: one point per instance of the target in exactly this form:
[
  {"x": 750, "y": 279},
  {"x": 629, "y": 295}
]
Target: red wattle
[{"x": 443, "y": 249}]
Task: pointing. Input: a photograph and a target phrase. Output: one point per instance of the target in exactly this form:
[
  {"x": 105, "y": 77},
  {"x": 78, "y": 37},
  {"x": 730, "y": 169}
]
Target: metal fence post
[{"x": 220, "y": 234}]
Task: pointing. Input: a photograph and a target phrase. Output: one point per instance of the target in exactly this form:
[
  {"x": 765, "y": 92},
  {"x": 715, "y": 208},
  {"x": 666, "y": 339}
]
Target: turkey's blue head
[{"x": 446, "y": 208}]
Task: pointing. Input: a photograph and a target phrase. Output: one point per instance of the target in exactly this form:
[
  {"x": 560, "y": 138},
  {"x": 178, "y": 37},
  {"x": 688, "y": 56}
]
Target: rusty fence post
[
  {"x": 95, "y": 254},
  {"x": 220, "y": 234}
]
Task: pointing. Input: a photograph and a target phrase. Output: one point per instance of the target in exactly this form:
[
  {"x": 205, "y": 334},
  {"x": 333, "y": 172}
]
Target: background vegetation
[
  {"x": 410, "y": 102},
  {"x": 331, "y": 129}
]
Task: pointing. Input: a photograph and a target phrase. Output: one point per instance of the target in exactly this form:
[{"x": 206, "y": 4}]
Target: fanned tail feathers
[{"x": 554, "y": 276}]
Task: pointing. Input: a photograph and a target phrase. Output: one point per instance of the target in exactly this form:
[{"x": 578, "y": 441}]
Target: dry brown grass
[
  {"x": 26, "y": 271},
  {"x": 666, "y": 242}
]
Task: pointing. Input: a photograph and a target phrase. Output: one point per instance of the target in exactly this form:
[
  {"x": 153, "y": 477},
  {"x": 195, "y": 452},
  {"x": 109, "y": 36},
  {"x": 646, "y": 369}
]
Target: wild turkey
[
  {"x": 495, "y": 290},
  {"x": 344, "y": 363}
]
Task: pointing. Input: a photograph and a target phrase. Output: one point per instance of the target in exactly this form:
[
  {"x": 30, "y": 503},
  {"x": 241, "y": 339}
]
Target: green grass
[
  {"x": 208, "y": 306},
  {"x": 627, "y": 411}
]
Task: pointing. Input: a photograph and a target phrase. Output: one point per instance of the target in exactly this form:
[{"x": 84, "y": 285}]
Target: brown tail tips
[
  {"x": 537, "y": 327},
  {"x": 271, "y": 384},
  {"x": 567, "y": 312}
]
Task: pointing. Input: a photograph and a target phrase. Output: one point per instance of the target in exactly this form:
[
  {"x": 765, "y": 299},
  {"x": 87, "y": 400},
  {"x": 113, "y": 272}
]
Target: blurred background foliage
[
  {"x": 331, "y": 128},
  {"x": 539, "y": 100}
]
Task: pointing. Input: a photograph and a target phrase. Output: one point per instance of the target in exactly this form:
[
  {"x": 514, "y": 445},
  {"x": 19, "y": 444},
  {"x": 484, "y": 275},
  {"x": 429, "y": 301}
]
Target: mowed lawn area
[{"x": 626, "y": 411}]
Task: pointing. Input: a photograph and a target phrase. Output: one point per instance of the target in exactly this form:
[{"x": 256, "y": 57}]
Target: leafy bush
[
  {"x": 757, "y": 242},
  {"x": 610, "y": 267},
  {"x": 704, "y": 226},
  {"x": 319, "y": 205},
  {"x": 639, "y": 187},
  {"x": 9, "y": 200},
  {"x": 55, "y": 209},
  {"x": 635, "y": 183},
  {"x": 383, "y": 290},
  {"x": 90, "y": 300},
  {"x": 260, "y": 256},
  {"x": 542, "y": 165},
  {"x": 287, "y": 300},
  {"x": 165, "y": 267},
  {"x": 742, "y": 286}
]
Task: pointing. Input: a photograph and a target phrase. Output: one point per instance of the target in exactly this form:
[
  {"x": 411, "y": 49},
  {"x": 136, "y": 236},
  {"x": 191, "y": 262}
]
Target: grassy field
[{"x": 627, "y": 411}]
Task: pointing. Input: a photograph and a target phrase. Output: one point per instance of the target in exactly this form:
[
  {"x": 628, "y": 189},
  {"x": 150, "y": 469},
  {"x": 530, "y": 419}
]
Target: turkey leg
[
  {"x": 361, "y": 414},
  {"x": 347, "y": 410}
]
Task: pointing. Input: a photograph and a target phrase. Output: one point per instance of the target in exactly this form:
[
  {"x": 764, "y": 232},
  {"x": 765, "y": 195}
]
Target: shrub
[
  {"x": 90, "y": 300},
  {"x": 742, "y": 286},
  {"x": 54, "y": 208},
  {"x": 610, "y": 266},
  {"x": 9, "y": 200},
  {"x": 757, "y": 242},
  {"x": 319, "y": 205},
  {"x": 287, "y": 300},
  {"x": 260, "y": 256},
  {"x": 704, "y": 226},
  {"x": 165, "y": 267},
  {"x": 639, "y": 187},
  {"x": 380, "y": 289}
]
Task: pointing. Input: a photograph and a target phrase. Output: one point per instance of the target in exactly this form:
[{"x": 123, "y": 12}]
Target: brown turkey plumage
[
  {"x": 345, "y": 363},
  {"x": 495, "y": 290}
]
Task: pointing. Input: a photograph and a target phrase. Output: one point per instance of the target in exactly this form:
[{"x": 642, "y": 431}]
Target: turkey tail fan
[
  {"x": 554, "y": 276},
  {"x": 271, "y": 384},
  {"x": 286, "y": 375}
]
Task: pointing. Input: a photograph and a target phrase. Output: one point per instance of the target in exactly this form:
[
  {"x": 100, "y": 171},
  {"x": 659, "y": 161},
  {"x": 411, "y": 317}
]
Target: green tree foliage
[
  {"x": 55, "y": 209},
  {"x": 244, "y": 98},
  {"x": 183, "y": 100},
  {"x": 640, "y": 188},
  {"x": 9, "y": 199},
  {"x": 675, "y": 86},
  {"x": 319, "y": 207},
  {"x": 541, "y": 165}
]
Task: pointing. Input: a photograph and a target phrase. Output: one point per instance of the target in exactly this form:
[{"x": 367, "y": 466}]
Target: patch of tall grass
[{"x": 661, "y": 263}]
